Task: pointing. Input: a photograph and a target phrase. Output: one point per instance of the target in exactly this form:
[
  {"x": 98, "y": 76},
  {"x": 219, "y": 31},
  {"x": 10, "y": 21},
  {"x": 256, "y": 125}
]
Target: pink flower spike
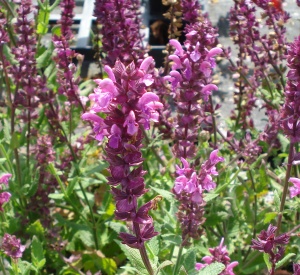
[
  {"x": 132, "y": 126},
  {"x": 214, "y": 51},
  {"x": 110, "y": 73},
  {"x": 5, "y": 178},
  {"x": 146, "y": 63},
  {"x": 4, "y": 197},
  {"x": 175, "y": 43}
]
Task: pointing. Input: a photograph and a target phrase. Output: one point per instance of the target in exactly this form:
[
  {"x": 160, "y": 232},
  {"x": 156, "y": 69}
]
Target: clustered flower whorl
[
  {"x": 120, "y": 31},
  {"x": 219, "y": 254},
  {"x": 189, "y": 189},
  {"x": 129, "y": 108}
]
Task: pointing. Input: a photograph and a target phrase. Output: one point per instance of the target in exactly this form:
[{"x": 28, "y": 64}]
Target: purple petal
[
  {"x": 175, "y": 43},
  {"x": 146, "y": 63},
  {"x": 214, "y": 51}
]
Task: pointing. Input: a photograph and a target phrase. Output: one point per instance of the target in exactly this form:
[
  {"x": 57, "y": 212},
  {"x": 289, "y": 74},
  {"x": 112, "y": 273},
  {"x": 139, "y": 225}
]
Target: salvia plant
[{"x": 136, "y": 170}]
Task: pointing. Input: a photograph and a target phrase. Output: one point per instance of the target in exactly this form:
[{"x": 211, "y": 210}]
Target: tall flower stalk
[
  {"x": 128, "y": 109},
  {"x": 290, "y": 116},
  {"x": 191, "y": 86}
]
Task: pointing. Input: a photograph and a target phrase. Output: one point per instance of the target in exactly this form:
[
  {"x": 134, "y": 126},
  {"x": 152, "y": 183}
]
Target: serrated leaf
[
  {"x": 212, "y": 269},
  {"x": 210, "y": 196},
  {"x": 86, "y": 237},
  {"x": 166, "y": 194},
  {"x": 36, "y": 229},
  {"x": 117, "y": 227},
  {"x": 277, "y": 201},
  {"x": 135, "y": 258},
  {"x": 24, "y": 267},
  {"x": 182, "y": 271},
  {"x": 163, "y": 265},
  {"x": 172, "y": 238},
  {"x": 44, "y": 59},
  {"x": 267, "y": 261},
  {"x": 153, "y": 249},
  {"x": 285, "y": 259},
  {"x": 37, "y": 253},
  {"x": 270, "y": 216},
  {"x": 190, "y": 260},
  {"x": 109, "y": 265},
  {"x": 9, "y": 56}
]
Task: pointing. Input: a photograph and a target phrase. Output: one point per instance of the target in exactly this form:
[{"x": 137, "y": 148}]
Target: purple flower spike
[
  {"x": 128, "y": 107},
  {"x": 12, "y": 247},
  {"x": 5, "y": 178},
  {"x": 175, "y": 43}
]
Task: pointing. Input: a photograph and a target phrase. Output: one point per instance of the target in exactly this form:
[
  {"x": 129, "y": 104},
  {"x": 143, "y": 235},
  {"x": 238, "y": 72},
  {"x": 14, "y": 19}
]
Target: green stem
[
  {"x": 286, "y": 185},
  {"x": 2, "y": 266},
  {"x": 175, "y": 270},
  {"x": 143, "y": 251},
  {"x": 213, "y": 120}
]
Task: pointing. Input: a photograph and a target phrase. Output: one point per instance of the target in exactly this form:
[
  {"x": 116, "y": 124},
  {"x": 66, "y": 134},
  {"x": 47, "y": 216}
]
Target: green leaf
[
  {"x": 44, "y": 59},
  {"x": 9, "y": 56},
  {"x": 134, "y": 257},
  {"x": 277, "y": 201},
  {"x": 210, "y": 196},
  {"x": 36, "y": 229},
  {"x": 86, "y": 237},
  {"x": 267, "y": 261},
  {"x": 14, "y": 143},
  {"x": 56, "y": 196},
  {"x": 71, "y": 185},
  {"x": 37, "y": 253},
  {"x": 285, "y": 259},
  {"x": 43, "y": 21},
  {"x": 182, "y": 271},
  {"x": 153, "y": 249},
  {"x": 212, "y": 269},
  {"x": 56, "y": 30},
  {"x": 166, "y": 194},
  {"x": 109, "y": 265},
  {"x": 190, "y": 260},
  {"x": 25, "y": 267},
  {"x": 172, "y": 239},
  {"x": 270, "y": 216},
  {"x": 163, "y": 265}
]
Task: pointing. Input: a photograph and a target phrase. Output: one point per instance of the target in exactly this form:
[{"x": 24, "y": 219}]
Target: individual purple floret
[
  {"x": 12, "y": 246},
  {"x": 294, "y": 190},
  {"x": 4, "y": 198},
  {"x": 269, "y": 243},
  {"x": 188, "y": 189},
  {"x": 219, "y": 254},
  {"x": 128, "y": 108},
  {"x": 4, "y": 178},
  {"x": 296, "y": 269}
]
